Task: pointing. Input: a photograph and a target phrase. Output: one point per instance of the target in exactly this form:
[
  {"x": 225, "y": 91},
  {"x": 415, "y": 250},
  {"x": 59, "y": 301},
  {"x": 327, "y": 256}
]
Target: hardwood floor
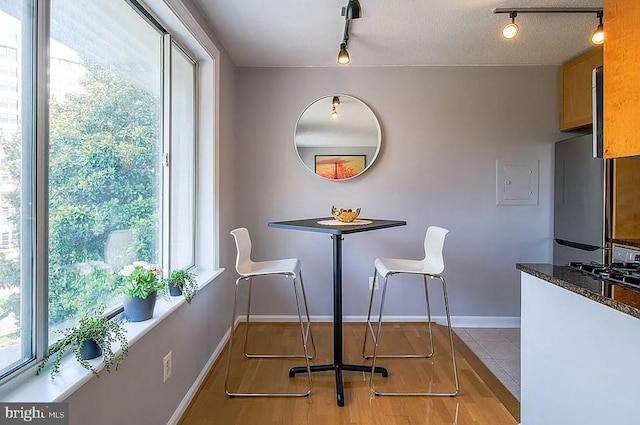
[{"x": 483, "y": 400}]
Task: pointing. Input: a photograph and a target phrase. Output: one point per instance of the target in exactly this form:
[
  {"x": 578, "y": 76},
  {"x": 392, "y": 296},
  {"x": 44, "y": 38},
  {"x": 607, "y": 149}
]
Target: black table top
[{"x": 311, "y": 225}]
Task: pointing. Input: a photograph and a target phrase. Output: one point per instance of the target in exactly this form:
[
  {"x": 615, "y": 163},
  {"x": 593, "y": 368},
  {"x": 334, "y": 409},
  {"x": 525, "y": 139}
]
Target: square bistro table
[{"x": 336, "y": 232}]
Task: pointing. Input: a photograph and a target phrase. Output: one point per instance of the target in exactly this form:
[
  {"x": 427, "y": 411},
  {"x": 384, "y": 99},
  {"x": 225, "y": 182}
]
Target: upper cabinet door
[
  {"x": 576, "y": 108},
  {"x": 621, "y": 78}
]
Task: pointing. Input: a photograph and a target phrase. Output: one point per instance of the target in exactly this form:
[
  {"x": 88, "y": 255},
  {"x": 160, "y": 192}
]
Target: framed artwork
[{"x": 338, "y": 167}]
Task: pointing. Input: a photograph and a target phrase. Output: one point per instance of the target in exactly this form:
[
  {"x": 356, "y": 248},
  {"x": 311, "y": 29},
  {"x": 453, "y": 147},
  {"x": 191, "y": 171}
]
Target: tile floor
[{"x": 499, "y": 349}]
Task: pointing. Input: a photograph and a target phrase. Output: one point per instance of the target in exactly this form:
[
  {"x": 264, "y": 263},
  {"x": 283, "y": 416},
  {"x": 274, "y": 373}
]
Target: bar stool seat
[
  {"x": 248, "y": 269},
  {"x": 431, "y": 267},
  {"x": 289, "y": 266},
  {"x": 387, "y": 266}
]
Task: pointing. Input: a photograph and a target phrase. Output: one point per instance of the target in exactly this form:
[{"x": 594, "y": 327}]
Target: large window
[
  {"x": 121, "y": 156},
  {"x": 104, "y": 152}
]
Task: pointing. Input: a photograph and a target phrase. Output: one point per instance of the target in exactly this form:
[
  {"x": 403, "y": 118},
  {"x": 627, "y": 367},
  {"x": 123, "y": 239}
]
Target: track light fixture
[
  {"x": 334, "y": 107},
  {"x": 511, "y": 30},
  {"x": 351, "y": 11},
  {"x": 598, "y": 35},
  {"x": 343, "y": 55}
]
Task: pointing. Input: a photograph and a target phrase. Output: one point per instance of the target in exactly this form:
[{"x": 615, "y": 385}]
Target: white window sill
[{"x": 30, "y": 387}]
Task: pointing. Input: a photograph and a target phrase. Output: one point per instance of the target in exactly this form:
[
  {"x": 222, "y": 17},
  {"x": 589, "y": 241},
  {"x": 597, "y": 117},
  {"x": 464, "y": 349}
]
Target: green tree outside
[{"x": 103, "y": 176}]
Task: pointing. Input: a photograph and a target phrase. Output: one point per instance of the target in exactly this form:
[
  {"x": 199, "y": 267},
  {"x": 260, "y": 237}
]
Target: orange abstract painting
[{"x": 338, "y": 167}]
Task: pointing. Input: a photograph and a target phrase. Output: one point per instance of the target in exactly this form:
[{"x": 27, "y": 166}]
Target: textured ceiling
[{"x": 259, "y": 33}]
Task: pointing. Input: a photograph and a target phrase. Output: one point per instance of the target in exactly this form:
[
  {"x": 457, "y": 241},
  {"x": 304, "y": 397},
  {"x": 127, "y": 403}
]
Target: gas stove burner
[
  {"x": 625, "y": 273},
  {"x": 619, "y": 264},
  {"x": 631, "y": 267},
  {"x": 594, "y": 268},
  {"x": 632, "y": 280}
]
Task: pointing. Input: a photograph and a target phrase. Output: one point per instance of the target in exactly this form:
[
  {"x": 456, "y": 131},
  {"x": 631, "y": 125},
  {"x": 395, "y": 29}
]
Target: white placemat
[{"x": 355, "y": 222}]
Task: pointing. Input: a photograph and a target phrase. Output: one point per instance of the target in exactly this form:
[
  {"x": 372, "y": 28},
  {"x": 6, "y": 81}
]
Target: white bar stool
[
  {"x": 248, "y": 269},
  {"x": 432, "y": 266}
]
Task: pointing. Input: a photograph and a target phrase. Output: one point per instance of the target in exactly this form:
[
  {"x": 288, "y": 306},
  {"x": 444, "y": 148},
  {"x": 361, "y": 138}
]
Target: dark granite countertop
[{"x": 619, "y": 297}]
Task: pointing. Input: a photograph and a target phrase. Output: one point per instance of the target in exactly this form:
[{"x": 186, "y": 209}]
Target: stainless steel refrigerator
[{"x": 581, "y": 202}]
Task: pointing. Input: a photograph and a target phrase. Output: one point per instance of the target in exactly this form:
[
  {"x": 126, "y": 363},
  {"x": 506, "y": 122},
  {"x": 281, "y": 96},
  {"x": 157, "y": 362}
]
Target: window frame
[
  {"x": 169, "y": 162},
  {"x": 38, "y": 228}
]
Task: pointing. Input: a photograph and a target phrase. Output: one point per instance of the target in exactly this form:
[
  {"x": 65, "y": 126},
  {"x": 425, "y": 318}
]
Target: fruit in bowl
[{"x": 345, "y": 215}]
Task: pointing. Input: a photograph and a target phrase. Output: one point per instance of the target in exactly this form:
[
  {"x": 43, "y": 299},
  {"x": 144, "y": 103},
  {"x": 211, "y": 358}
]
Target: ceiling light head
[
  {"x": 511, "y": 30},
  {"x": 343, "y": 55},
  {"x": 334, "y": 107},
  {"x": 598, "y": 35}
]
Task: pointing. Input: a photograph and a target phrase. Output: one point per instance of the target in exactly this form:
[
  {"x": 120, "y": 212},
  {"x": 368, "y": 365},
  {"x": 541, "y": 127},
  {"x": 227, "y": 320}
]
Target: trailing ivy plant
[
  {"x": 185, "y": 281},
  {"x": 97, "y": 328}
]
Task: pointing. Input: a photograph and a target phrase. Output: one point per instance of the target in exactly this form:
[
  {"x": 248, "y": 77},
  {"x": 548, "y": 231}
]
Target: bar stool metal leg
[
  {"x": 230, "y": 349},
  {"x": 426, "y": 296},
  {"x": 375, "y": 336},
  {"x": 275, "y": 356},
  {"x": 453, "y": 351},
  {"x": 247, "y": 320},
  {"x": 400, "y": 356},
  {"x": 306, "y": 309},
  {"x": 366, "y": 330},
  {"x": 304, "y": 336},
  {"x": 376, "y": 339}
]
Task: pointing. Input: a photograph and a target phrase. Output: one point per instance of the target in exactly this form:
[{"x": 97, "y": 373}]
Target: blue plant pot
[
  {"x": 138, "y": 309},
  {"x": 90, "y": 350},
  {"x": 174, "y": 291}
]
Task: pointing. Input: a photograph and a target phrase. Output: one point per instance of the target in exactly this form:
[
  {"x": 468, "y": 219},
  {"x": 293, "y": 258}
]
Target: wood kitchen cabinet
[
  {"x": 626, "y": 296},
  {"x": 626, "y": 199},
  {"x": 576, "y": 108},
  {"x": 621, "y": 78}
]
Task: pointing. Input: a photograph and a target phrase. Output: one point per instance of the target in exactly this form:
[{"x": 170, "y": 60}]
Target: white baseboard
[
  {"x": 186, "y": 400},
  {"x": 457, "y": 321}
]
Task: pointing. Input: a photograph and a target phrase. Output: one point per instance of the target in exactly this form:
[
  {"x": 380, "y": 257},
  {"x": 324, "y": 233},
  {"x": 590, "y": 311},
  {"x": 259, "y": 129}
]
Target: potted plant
[
  {"x": 183, "y": 282},
  {"x": 91, "y": 338},
  {"x": 143, "y": 282}
]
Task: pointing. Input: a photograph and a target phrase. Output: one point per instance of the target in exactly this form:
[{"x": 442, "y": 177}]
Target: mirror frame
[{"x": 378, "y": 127}]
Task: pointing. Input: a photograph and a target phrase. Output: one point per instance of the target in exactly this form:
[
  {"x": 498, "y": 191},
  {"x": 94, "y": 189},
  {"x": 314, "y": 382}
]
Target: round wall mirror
[{"x": 337, "y": 137}]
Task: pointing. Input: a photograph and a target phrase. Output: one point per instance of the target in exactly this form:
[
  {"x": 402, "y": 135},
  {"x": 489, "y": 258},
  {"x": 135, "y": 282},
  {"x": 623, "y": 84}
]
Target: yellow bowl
[{"x": 345, "y": 215}]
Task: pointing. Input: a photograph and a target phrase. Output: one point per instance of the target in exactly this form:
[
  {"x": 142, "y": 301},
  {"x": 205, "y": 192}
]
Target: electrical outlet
[
  {"x": 167, "y": 365},
  {"x": 371, "y": 284}
]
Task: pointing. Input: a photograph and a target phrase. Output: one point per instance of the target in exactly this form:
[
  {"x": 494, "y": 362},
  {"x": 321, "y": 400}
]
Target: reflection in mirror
[{"x": 337, "y": 137}]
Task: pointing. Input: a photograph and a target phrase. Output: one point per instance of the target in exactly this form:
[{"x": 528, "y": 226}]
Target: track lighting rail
[
  {"x": 511, "y": 30},
  {"x": 547, "y": 10}
]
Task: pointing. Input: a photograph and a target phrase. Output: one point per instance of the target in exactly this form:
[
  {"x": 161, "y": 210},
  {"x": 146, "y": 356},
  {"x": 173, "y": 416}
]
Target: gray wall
[
  {"x": 443, "y": 130},
  {"x": 135, "y": 394}
]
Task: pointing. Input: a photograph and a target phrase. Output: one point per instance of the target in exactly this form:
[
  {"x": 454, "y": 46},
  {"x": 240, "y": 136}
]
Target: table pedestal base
[{"x": 338, "y": 369}]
